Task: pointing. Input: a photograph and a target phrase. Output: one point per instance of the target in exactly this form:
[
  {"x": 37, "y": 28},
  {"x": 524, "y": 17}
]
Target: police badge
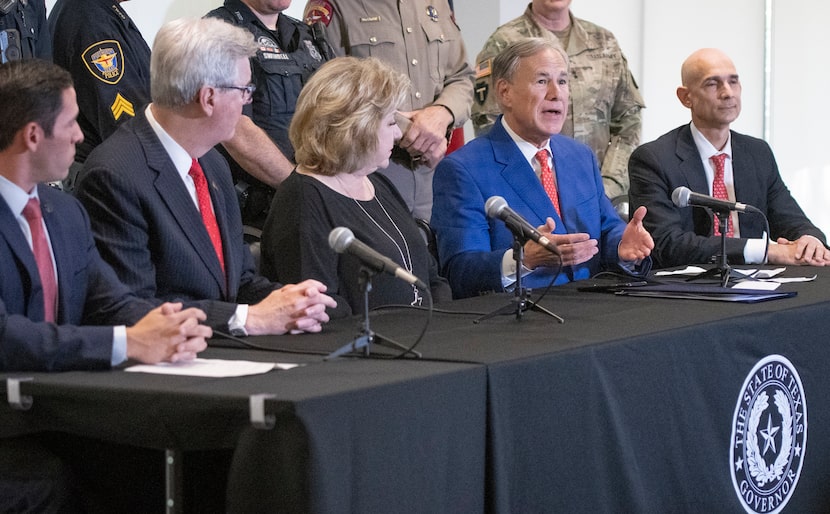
[{"x": 105, "y": 60}]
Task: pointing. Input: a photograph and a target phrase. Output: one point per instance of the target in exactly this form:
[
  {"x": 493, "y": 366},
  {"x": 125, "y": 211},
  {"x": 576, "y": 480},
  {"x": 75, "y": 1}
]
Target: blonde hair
[{"x": 339, "y": 112}]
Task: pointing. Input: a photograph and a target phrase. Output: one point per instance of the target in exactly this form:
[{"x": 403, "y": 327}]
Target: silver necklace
[{"x": 405, "y": 258}]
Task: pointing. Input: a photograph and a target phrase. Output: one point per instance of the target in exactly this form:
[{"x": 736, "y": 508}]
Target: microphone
[
  {"x": 342, "y": 240},
  {"x": 684, "y": 197},
  {"x": 496, "y": 207}
]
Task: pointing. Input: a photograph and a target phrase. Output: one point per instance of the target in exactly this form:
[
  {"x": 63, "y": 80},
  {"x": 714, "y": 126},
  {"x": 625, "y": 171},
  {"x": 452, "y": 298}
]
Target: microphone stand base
[
  {"x": 519, "y": 306},
  {"x": 725, "y": 275},
  {"x": 364, "y": 342}
]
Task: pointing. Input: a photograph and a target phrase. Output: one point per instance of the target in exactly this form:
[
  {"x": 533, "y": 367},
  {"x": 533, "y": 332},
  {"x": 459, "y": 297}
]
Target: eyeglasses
[{"x": 247, "y": 91}]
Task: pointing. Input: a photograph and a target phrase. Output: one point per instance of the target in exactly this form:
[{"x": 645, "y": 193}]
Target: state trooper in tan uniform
[
  {"x": 605, "y": 103},
  {"x": 420, "y": 39}
]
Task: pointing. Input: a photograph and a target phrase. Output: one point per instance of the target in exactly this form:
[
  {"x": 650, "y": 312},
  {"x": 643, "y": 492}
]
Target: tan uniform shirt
[
  {"x": 605, "y": 103},
  {"x": 420, "y": 39}
]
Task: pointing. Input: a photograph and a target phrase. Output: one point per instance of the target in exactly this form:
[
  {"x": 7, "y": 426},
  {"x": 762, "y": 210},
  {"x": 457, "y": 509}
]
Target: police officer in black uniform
[
  {"x": 109, "y": 60},
  {"x": 23, "y": 30},
  {"x": 288, "y": 54}
]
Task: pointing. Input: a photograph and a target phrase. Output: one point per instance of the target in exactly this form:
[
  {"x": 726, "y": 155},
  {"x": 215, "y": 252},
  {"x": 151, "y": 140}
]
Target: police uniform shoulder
[
  {"x": 221, "y": 13},
  {"x": 318, "y": 10},
  {"x": 294, "y": 21}
]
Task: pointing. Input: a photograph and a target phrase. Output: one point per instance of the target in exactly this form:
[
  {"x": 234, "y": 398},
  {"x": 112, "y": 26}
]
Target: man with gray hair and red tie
[{"x": 160, "y": 197}]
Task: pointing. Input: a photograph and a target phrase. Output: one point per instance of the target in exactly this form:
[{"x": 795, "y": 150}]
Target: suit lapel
[
  {"x": 744, "y": 176},
  {"x": 10, "y": 231},
  {"x": 174, "y": 194},
  {"x": 519, "y": 175},
  {"x": 690, "y": 163}
]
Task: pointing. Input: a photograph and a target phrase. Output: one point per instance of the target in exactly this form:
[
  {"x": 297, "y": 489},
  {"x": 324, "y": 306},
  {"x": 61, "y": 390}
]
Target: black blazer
[
  {"x": 685, "y": 235},
  {"x": 148, "y": 228}
]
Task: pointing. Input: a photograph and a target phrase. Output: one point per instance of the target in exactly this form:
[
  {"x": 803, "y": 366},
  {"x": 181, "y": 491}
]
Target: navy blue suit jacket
[
  {"x": 471, "y": 245},
  {"x": 685, "y": 235},
  {"x": 148, "y": 228},
  {"x": 89, "y": 293}
]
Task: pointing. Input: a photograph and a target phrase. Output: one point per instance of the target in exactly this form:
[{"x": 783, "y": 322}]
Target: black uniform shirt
[
  {"x": 285, "y": 60},
  {"x": 109, "y": 61},
  {"x": 29, "y": 20}
]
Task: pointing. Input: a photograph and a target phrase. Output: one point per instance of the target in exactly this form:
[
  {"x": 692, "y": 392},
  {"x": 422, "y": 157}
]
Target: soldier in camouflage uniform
[{"x": 605, "y": 104}]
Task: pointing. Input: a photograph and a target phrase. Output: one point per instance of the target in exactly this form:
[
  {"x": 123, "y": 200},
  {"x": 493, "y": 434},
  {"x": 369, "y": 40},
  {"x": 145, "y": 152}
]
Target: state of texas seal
[{"x": 769, "y": 436}]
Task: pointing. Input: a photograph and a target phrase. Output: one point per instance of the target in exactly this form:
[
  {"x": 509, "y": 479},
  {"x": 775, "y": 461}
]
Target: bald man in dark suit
[{"x": 711, "y": 90}]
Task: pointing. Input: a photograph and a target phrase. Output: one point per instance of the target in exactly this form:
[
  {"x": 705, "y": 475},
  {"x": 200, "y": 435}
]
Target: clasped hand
[{"x": 426, "y": 137}]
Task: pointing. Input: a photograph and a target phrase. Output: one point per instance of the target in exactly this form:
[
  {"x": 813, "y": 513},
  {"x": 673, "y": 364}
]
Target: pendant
[{"x": 418, "y": 298}]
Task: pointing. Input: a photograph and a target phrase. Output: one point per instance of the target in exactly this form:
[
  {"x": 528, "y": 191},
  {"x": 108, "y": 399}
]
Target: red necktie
[
  {"x": 719, "y": 192},
  {"x": 205, "y": 207},
  {"x": 547, "y": 179},
  {"x": 45, "y": 266}
]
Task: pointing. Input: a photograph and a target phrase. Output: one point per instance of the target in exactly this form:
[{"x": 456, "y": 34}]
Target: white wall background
[{"x": 656, "y": 36}]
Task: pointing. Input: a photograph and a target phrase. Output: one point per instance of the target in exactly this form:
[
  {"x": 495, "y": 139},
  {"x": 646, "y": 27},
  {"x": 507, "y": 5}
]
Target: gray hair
[
  {"x": 507, "y": 61},
  {"x": 190, "y": 53}
]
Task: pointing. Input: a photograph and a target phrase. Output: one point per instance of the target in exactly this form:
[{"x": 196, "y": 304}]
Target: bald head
[
  {"x": 711, "y": 90},
  {"x": 697, "y": 65}
]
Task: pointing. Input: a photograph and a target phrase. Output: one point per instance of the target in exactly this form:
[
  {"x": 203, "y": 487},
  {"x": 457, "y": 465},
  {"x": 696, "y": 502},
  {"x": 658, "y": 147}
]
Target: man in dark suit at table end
[
  {"x": 58, "y": 299},
  {"x": 562, "y": 193},
  {"x": 161, "y": 200},
  {"x": 708, "y": 158}
]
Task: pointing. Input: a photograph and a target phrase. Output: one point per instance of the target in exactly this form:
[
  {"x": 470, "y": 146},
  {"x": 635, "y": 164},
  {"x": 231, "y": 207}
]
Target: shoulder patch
[
  {"x": 482, "y": 89},
  {"x": 318, "y": 10},
  {"x": 105, "y": 60},
  {"x": 483, "y": 69},
  {"x": 121, "y": 106}
]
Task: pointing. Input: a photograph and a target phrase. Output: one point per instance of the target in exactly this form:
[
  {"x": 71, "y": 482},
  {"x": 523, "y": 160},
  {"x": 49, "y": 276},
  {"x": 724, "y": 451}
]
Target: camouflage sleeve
[
  {"x": 626, "y": 126},
  {"x": 485, "y": 108}
]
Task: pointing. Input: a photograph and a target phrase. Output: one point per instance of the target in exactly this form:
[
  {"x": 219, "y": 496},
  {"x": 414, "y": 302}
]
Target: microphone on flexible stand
[
  {"x": 342, "y": 240},
  {"x": 684, "y": 197},
  {"x": 496, "y": 207}
]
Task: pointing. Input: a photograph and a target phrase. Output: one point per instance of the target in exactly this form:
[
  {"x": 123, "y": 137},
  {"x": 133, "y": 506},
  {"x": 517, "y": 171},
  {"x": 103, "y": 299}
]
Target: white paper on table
[
  {"x": 763, "y": 274},
  {"x": 688, "y": 270},
  {"x": 210, "y": 368},
  {"x": 787, "y": 280},
  {"x": 761, "y": 285}
]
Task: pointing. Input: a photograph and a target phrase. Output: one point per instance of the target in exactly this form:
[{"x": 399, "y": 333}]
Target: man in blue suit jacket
[
  {"x": 144, "y": 206},
  {"x": 711, "y": 90},
  {"x": 38, "y": 133},
  {"x": 531, "y": 80}
]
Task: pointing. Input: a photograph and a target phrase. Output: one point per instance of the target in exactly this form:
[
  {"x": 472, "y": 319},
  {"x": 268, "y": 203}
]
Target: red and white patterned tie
[
  {"x": 206, "y": 209},
  {"x": 719, "y": 192},
  {"x": 547, "y": 179},
  {"x": 43, "y": 258}
]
